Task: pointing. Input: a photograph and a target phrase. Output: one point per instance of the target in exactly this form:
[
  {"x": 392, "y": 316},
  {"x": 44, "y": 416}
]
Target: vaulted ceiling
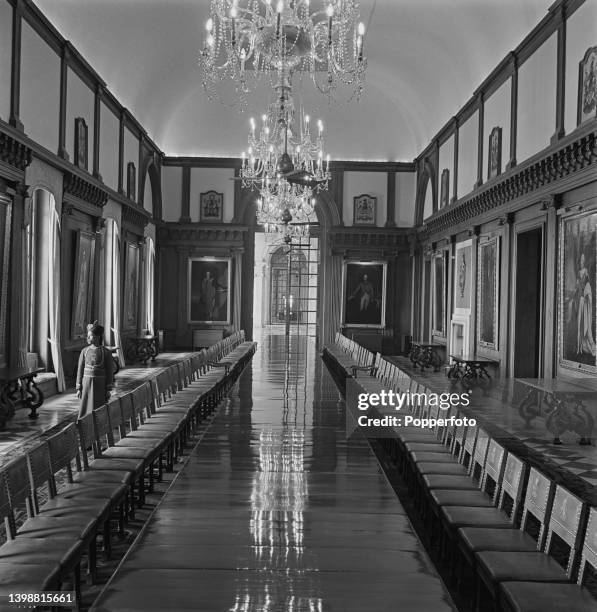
[{"x": 425, "y": 59}]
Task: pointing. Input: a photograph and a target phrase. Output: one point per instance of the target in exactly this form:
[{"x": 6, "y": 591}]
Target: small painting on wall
[
  {"x": 587, "y": 86},
  {"x": 494, "y": 158},
  {"x": 577, "y": 276},
  {"x": 211, "y": 204},
  {"x": 209, "y": 286},
  {"x": 364, "y": 293},
  {"x": 81, "y": 143},
  {"x": 462, "y": 277},
  {"x": 365, "y": 209},
  {"x": 444, "y": 199},
  {"x": 487, "y": 293},
  {"x": 131, "y": 181}
]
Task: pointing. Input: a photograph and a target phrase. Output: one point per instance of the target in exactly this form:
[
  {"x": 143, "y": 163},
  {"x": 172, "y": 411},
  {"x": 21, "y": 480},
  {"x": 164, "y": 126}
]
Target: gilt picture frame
[
  {"x": 440, "y": 279},
  {"x": 209, "y": 290},
  {"x": 577, "y": 281},
  {"x": 494, "y": 154},
  {"x": 488, "y": 278},
  {"x": 444, "y": 198},
  {"x": 82, "y": 284},
  {"x": 587, "y": 86},
  {"x": 364, "y": 294}
]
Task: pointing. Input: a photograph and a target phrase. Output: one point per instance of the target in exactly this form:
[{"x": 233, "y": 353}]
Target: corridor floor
[{"x": 277, "y": 511}]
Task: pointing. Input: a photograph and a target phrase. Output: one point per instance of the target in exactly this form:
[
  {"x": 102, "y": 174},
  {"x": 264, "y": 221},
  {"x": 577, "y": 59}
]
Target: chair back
[
  {"x": 127, "y": 410},
  {"x": 41, "y": 477},
  {"x": 87, "y": 438},
  {"x": 163, "y": 385},
  {"x": 512, "y": 487},
  {"x": 477, "y": 464},
  {"x": 103, "y": 429},
  {"x": 588, "y": 558},
  {"x": 469, "y": 445},
  {"x": 18, "y": 485},
  {"x": 537, "y": 504},
  {"x": 64, "y": 449},
  {"x": 563, "y": 532},
  {"x": 115, "y": 416},
  {"x": 460, "y": 434},
  {"x": 6, "y": 512},
  {"x": 494, "y": 468}
]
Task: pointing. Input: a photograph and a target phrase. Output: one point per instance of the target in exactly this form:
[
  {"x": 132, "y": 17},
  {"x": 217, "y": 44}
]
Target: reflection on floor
[
  {"x": 22, "y": 433},
  {"x": 499, "y": 408},
  {"x": 277, "y": 510}
]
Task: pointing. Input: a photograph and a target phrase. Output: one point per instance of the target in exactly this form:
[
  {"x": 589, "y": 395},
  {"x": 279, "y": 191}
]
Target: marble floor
[
  {"x": 276, "y": 510},
  {"x": 498, "y": 410},
  {"x": 22, "y": 433}
]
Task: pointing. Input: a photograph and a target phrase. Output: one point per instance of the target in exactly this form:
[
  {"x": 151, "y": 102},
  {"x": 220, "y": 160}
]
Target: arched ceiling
[{"x": 425, "y": 59}]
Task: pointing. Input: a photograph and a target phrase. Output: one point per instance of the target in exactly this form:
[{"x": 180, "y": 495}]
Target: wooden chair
[
  {"x": 555, "y": 564},
  {"x": 580, "y": 597}
]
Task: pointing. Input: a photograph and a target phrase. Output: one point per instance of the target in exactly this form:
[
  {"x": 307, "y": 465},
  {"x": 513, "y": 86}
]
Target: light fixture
[{"x": 248, "y": 41}]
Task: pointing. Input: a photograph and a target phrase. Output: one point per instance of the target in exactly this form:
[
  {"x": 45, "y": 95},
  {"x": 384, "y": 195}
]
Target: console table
[
  {"x": 471, "y": 371},
  {"x": 570, "y": 405},
  {"x": 18, "y": 385},
  {"x": 424, "y": 355}
]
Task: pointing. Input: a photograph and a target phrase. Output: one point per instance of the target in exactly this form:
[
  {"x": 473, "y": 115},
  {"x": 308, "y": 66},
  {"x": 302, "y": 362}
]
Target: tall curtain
[
  {"x": 116, "y": 293},
  {"x": 149, "y": 285},
  {"x": 53, "y": 260},
  {"x": 237, "y": 290},
  {"x": 26, "y": 271}
]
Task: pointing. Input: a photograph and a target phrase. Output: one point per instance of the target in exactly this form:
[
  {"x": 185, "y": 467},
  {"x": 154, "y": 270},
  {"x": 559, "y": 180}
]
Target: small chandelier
[{"x": 249, "y": 40}]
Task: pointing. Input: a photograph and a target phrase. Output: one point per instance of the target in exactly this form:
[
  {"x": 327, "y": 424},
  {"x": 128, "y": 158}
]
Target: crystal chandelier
[
  {"x": 285, "y": 211},
  {"x": 281, "y": 153},
  {"x": 249, "y": 40}
]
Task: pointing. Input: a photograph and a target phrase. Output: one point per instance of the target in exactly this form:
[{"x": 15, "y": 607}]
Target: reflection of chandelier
[{"x": 249, "y": 39}]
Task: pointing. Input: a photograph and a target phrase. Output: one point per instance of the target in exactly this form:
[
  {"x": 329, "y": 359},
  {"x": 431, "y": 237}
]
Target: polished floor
[{"x": 277, "y": 511}]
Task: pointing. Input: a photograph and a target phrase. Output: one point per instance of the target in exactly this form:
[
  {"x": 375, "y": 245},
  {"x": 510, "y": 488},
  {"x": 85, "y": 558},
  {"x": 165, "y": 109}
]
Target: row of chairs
[
  {"x": 528, "y": 542},
  {"x": 350, "y": 356},
  {"x": 74, "y": 486}
]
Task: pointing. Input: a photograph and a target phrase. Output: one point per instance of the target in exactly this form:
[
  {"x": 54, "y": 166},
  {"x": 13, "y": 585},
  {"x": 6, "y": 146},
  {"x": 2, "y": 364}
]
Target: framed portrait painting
[
  {"x": 209, "y": 287},
  {"x": 211, "y": 204},
  {"x": 364, "y": 293},
  {"x": 82, "y": 284},
  {"x": 488, "y": 292},
  {"x": 365, "y": 209},
  {"x": 131, "y": 287},
  {"x": 131, "y": 181},
  {"x": 440, "y": 270},
  {"x": 587, "y": 86},
  {"x": 576, "y": 288}
]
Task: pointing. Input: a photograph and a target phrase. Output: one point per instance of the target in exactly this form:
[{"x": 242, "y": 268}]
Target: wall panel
[
  {"x": 580, "y": 35},
  {"x": 108, "y": 162},
  {"x": 467, "y": 154},
  {"x": 171, "y": 192},
  {"x": 79, "y": 103},
  {"x": 5, "y": 58},
  {"x": 405, "y": 199},
  {"x": 216, "y": 179},
  {"x": 40, "y": 89},
  {"x": 371, "y": 183},
  {"x": 446, "y": 160},
  {"x": 497, "y": 114},
  {"x": 537, "y": 100}
]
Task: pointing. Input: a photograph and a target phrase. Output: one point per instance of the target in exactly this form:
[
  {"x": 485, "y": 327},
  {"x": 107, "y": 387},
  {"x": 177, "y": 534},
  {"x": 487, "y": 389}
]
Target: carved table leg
[{"x": 33, "y": 398}]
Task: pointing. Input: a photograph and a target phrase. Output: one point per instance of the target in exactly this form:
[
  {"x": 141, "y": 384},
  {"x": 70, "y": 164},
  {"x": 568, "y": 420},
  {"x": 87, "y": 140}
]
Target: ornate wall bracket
[
  {"x": 14, "y": 153},
  {"x": 82, "y": 189}
]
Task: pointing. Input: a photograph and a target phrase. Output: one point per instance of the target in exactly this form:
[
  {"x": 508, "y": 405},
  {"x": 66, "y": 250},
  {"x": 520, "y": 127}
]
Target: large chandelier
[{"x": 249, "y": 40}]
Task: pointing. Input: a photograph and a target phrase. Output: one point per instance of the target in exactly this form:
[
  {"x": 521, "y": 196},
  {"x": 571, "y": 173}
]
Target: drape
[
  {"x": 116, "y": 293},
  {"x": 53, "y": 260},
  {"x": 237, "y": 290},
  {"x": 149, "y": 285}
]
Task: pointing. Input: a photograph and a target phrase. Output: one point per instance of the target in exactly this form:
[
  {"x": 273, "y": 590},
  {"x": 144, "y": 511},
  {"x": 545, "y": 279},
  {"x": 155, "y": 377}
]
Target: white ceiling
[{"x": 425, "y": 58}]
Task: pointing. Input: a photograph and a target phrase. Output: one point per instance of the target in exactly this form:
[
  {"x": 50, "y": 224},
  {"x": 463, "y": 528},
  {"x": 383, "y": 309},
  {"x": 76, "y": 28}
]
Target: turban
[{"x": 96, "y": 329}]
